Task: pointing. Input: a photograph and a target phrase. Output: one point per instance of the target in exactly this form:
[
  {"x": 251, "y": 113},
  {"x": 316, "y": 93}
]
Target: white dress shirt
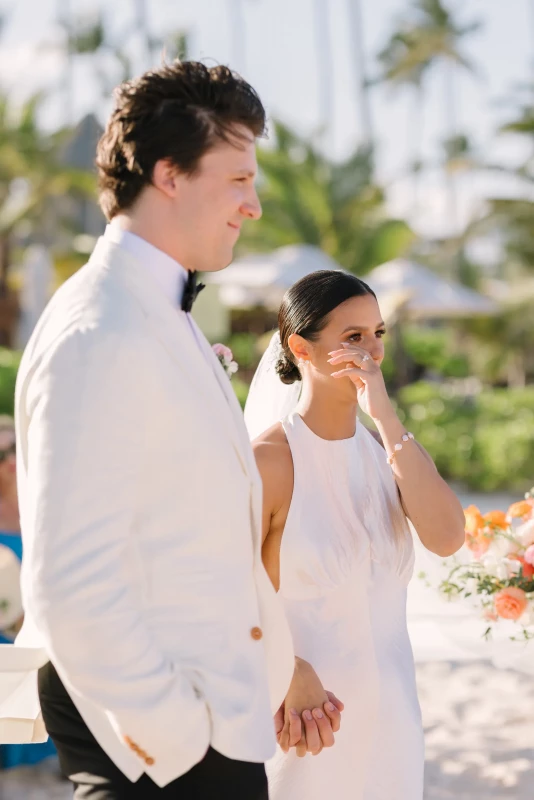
[{"x": 168, "y": 273}]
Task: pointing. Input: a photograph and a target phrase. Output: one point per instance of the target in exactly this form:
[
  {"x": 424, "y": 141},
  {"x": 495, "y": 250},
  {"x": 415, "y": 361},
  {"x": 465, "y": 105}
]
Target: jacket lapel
[
  {"x": 241, "y": 429},
  {"x": 228, "y": 392},
  {"x": 171, "y": 326},
  {"x": 242, "y": 433}
]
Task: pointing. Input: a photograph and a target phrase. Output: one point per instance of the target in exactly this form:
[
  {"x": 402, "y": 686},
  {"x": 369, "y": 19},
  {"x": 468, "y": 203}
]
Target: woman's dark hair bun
[{"x": 287, "y": 371}]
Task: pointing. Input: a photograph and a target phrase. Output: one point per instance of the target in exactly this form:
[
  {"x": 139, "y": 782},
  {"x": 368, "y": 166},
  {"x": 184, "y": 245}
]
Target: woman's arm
[
  {"x": 306, "y": 701},
  {"x": 429, "y": 503},
  {"x": 275, "y": 465},
  {"x": 431, "y": 506}
]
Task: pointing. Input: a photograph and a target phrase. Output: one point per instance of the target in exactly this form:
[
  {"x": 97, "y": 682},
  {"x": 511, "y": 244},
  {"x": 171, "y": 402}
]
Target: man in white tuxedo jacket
[{"x": 140, "y": 499}]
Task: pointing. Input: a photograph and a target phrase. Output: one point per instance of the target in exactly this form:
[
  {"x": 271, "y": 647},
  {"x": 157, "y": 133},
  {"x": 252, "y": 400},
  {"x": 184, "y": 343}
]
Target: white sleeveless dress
[{"x": 345, "y": 561}]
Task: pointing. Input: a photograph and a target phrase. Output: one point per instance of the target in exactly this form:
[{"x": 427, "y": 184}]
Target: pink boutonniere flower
[{"x": 226, "y": 359}]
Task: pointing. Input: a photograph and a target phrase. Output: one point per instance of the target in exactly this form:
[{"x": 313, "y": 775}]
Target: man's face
[{"x": 211, "y": 206}]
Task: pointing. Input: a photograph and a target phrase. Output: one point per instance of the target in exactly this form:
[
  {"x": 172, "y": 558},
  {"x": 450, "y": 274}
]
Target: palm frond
[{"x": 335, "y": 206}]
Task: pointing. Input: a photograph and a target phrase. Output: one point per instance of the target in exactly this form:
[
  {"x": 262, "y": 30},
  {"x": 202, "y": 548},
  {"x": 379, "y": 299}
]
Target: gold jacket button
[
  {"x": 131, "y": 744},
  {"x": 256, "y": 634}
]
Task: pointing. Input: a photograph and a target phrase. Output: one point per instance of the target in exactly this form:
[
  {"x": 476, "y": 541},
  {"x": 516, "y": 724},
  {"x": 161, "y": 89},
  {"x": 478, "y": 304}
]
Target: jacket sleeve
[{"x": 87, "y": 412}]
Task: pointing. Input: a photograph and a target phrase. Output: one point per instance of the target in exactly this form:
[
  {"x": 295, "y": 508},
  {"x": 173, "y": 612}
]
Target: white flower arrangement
[{"x": 498, "y": 575}]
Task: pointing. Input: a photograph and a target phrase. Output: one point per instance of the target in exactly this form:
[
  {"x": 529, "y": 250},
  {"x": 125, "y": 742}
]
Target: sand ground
[{"x": 479, "y": 724}]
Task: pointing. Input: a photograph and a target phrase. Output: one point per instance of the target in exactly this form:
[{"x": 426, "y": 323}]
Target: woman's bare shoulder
[
  {"x": 275, "y": 465},
  {"x": 272, "y": 452}
]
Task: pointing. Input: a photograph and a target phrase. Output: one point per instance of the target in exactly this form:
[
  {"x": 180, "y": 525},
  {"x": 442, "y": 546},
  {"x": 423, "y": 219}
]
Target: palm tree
[
  {"x": 325, "y": 68},
  {"x": 427, "y": 35},
  {"x": 85, "y": 36},
  {"x": 90, "y": 37},
  {"x": 307, "y": 198},
  {"x": 32, "y": 181},
  {"x": 502, "y": 347},
  {"x": 65, "y": 21},
  {"x": 357, "y": 47},
  {"x": 511, "y": 219},
  {"x": 400, "y": 69}
]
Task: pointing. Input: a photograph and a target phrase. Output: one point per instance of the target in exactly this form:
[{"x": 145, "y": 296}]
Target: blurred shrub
[
  {"x": 9, "y": 364},
  {"x": 485, "y": 441},
  {"x": 243, "y": 346},
  {"x": 436, "y": 351},
  {"x": 388, "y": 367},
  {"x": 241, "y": 389}
]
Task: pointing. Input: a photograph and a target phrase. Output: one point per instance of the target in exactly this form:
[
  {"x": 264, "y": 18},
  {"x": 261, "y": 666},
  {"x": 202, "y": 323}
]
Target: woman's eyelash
[{"x": 381, "y": 332}]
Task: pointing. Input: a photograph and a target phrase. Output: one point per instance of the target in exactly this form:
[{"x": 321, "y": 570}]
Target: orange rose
[
  {"x": 521, "y": 509},
  {"x": 478, "y": 533},
  {"x": 478, "y": 544},
  {"x": 474, "y": 520},
  {"x": 511, "y": 603},
  {"x": 496, "y": 518},
  {"x": 528, "y": 569}
]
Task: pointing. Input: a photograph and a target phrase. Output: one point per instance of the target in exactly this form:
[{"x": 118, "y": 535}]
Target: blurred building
[
  {"x": 79, "y": 152},
  {"x": 74, "y": 223}
]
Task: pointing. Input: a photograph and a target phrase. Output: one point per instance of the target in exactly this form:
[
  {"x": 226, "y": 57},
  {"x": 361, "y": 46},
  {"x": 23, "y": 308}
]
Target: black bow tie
[{"x": 191, "y": 291}]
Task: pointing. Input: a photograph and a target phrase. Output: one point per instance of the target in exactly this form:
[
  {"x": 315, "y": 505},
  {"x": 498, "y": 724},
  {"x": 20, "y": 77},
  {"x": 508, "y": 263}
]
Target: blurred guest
[{"x": 13, "y": 755}]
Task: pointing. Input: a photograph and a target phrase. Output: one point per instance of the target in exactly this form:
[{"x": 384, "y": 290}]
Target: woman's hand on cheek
[{"x": 367, "y": 377}]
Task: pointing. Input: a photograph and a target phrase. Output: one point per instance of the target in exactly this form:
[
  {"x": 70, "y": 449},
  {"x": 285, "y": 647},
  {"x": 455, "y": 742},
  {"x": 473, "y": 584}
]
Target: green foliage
[
  {"x": 28, "y": 154},
  {"x": 391, "y": 238},
  {"x": 498, "y": 343},
  {"x": 434, "y": 350},
  {"x": 87, "y": 37},
  {"x": 427, "y": 351},
  {"x": 338, "y": 207},
  {"x": 9, "y": 364},
  {"x": 512, "y": 218},
  {"x": 427, "y": 32},
  {"x": 388, "y": 367},
  {"x": 486, "y": 441},
  {"x": 241, "y": 389},
  {"x": 180, "y": 45},
  {"x": 243, "y": 347}
]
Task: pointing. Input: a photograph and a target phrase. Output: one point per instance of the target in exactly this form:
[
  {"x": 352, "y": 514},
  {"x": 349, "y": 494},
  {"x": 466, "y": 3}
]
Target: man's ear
[{"x": 165, "y": 177}]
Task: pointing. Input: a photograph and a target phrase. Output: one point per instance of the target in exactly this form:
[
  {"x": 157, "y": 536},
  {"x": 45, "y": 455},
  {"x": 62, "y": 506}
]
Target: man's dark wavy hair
[{"x": 177, "y": 113}]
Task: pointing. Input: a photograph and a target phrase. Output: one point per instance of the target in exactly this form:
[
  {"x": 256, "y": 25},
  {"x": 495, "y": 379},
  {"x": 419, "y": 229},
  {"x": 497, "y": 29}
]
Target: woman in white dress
[{"x": 336, "y": 542}]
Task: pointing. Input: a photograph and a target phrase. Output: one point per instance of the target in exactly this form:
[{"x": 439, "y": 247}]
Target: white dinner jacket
[{"x": 141, "y": 522}]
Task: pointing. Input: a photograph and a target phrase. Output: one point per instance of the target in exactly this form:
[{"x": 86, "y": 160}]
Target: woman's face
[
  {"x": 357, "y": 321},
  {"x": 8, "y": 460}
]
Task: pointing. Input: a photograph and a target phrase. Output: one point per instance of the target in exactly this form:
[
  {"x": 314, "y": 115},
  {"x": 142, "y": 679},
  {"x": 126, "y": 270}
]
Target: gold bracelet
[{"x": 406, "y": 438}]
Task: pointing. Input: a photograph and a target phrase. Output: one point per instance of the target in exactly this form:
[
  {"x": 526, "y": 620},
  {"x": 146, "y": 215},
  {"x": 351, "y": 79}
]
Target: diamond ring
[{"x": 365, "y": 358}]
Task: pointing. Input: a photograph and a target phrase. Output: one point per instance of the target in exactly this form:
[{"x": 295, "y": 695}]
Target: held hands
[
  {"x": 309, "y": 716},
  {"x": 366, "y": 375}
]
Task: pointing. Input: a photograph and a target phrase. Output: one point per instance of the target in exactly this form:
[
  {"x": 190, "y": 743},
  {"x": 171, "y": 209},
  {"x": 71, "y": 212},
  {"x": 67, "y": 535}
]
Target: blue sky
[{"x": 280, "y": 57}]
